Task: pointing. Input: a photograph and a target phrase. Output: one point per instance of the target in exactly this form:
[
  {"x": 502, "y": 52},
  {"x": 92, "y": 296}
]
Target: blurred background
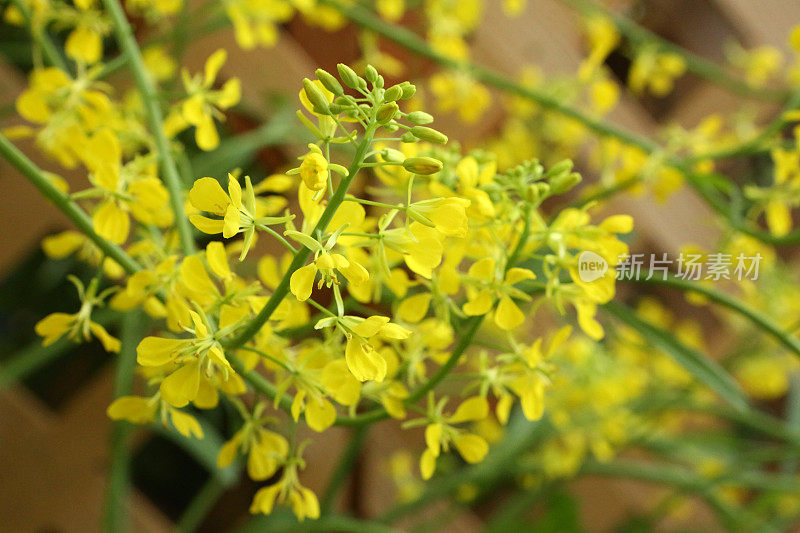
[{"x": 54, "y": 433}]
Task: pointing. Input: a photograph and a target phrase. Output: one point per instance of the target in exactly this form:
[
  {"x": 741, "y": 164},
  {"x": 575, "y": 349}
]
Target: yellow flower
[
  {"x": 78, "y": 327},
  {"x": 447, "y": 215},
  {"x": 239, "y": 212},
  {"x": 655, "y": 71},
  {"x": 202, "y": 353},
  {"x": 486, "y": 286},
  {"x": 314, "y": 171},
  {"x": 255, "y": 23},
  {"x": 204, "y": 103},
  {"x": 303, "y": 501},
  {"x": 266, "y": 450},
  {"x": 440, "y": 433},
  {"x": 457, "y": 90},
  {"x": 301, "y": 282}
]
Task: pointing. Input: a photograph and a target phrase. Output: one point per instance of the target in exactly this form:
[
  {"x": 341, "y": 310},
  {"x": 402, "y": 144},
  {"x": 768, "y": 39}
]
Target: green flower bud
[
  {"x": 379, "y": 82},
  {"x": 316, "y": 97},
  {"x": 329, "y": 82},
  {"x": 408, "y": 137},
  {"x": 564, "y": 182},
  {"x": 429, "y": 134},
  {"x": 393, "y": 93},
  {"x": 348, "y": 75},
  {"x": 562, "y": 167},
  {"x": 386, "y": 112},
  {"x": 371, "y": 74},
  {"x": 392, "y": 155},
  {"x": 422, "y": 165},
  {"x": 408, "y": 90},
  {"x": 419, "y": 117}
]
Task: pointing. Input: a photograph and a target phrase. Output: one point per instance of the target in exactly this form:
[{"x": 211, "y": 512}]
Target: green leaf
[{"x": 705, "y": 369}]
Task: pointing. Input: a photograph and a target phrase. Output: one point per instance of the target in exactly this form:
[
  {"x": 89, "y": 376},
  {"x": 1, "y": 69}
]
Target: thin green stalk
[
  {"x": 201, "y": 504},
  {"x": 303, "y": 254},
  {"x": 150, "y": 100},
  {"x": 343, "y": 468},
  {"x": 793, "y": 419},
  {"x": 114, "y": 519},
  {"x": 694, "y": 63},
  {"x": 49, "y": 49},
  {"x": 759, "y": 319},
  {"x": 63, "y": 202}
]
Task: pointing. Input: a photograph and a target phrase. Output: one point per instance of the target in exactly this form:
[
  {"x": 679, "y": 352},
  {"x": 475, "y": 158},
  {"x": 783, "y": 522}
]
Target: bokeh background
[{"x": 54, "y": 434}]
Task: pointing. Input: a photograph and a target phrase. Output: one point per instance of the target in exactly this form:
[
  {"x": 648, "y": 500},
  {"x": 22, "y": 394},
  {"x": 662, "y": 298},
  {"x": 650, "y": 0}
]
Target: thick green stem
[
  {"x": 63, "y": 202},
  {"x": 114, "y": 520},
  {"x": 150, "y": 100}
]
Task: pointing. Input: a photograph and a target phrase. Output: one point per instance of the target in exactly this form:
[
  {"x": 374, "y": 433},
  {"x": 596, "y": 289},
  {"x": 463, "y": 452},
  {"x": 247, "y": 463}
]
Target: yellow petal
[
  {"x": 470, "y": 410},
  {"x": 320, "y": 414},
  {"x": 180, "y": 387},
  {"x": 414, "y": 308},
  {"x": 479, "y": 305},
  {"x": 218, "y": 259},
  {"x": 111, "y": 222},
  {"x": 364, "y": 362},
  {"x": 302, "y": 281},
  {"x": 157, "y": 351},
  {"x": 207, "y": 225},
  {"x": 187, "y": 425},
  {"x": 134, "y": 409},
  {"x": 206, "y": 134},
  {"x": 471, "y": 447},
  {"x": 508, "y": 316}
]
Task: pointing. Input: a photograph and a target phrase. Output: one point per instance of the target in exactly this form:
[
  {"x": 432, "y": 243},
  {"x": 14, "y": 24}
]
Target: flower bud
[
  {"x": 371, "y": 74},
  {"x": 408, "y": 90},
  {"x": 392, "y": 155},
  {"x": 429, "y": 134},
  {"x": 393, "y": 93},
  {"x": 564, "y": 182},
  {"x": 419, "y": 117},
  {"x": 408, "y": 137},
  {"x": 316, "y": 97},
  {"x": 329, "y": 82},
  {"x": 379, "y": 82},
  {"x": 422, "y": 165},
  {"x": 386, "y": 112},
  {"x": 348, "y": 75}
]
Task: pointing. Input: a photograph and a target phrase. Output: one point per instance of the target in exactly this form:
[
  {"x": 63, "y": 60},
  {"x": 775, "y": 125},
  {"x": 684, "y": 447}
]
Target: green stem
[
  {"x": 343, "y": 468},
  {"x": 762, "y": 321},
  {"x": 302, "y": 256},
  {"x": 150, "y": 100},
  {"x": 42, "y": 39},
  {"x": 694, "y": 63},
  {"x": 201, "y": 504},
  {"x": 114, "y": 520},
  {"x": 63, "y": 202}
]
